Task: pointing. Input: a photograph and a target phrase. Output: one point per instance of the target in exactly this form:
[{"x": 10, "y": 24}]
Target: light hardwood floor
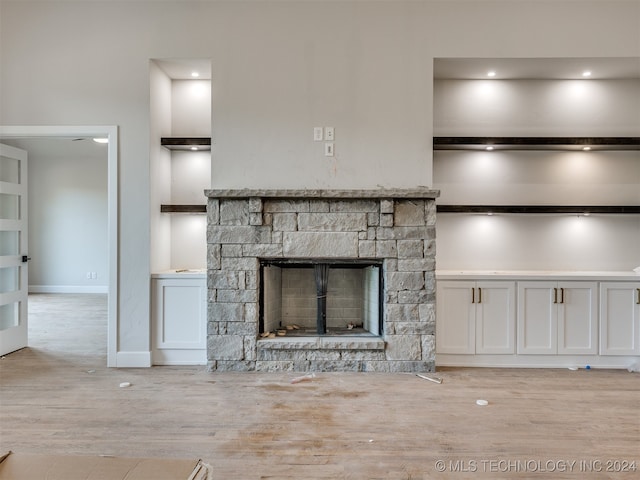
[{"x": 58, "y": 396}]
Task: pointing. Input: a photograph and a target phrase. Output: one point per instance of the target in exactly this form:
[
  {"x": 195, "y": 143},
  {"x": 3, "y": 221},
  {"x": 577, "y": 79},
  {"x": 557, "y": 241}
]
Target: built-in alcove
[{"x": 321, "y": 297}]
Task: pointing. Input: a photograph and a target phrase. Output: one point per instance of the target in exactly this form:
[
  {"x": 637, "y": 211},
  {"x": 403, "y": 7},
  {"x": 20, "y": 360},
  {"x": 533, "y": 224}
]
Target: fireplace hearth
[{"x": 321, "y": 280}]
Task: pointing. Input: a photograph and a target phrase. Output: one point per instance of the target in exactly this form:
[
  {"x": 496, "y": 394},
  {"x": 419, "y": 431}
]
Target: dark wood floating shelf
[
  {"x": 183, "y": 208},
  {"x": 186, "y": 143},
  {"x": 579, "y": 210},
  {"x": 536, "y": 143}
]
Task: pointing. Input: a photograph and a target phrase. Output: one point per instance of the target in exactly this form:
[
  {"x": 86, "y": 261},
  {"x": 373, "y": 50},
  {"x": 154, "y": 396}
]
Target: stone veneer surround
[{"x": 396, "y": 226}]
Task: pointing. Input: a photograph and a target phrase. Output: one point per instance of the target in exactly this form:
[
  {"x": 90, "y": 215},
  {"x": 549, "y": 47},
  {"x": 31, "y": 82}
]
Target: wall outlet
[
  {"x": 88, "y": 275},
  {"x": 329, "y": 133},
  {"x": 317, "y": 134}
]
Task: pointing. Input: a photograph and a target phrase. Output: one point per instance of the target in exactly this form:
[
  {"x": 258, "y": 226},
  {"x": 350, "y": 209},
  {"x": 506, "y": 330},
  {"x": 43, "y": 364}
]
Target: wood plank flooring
[{"x": 57, "y": 396}]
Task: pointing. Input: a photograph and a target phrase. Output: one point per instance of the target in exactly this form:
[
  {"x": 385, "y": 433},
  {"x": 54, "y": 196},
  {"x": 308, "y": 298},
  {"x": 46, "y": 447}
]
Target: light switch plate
[
  {"x": 317, "y": 134},
  {"x": 328, "y": 149}
]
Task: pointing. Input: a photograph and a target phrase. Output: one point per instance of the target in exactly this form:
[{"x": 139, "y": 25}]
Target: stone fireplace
[{"x": 321, "y": 280}]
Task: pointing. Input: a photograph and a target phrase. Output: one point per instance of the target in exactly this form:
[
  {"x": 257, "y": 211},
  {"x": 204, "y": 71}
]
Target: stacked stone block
[{"x": 397, "y": 227}]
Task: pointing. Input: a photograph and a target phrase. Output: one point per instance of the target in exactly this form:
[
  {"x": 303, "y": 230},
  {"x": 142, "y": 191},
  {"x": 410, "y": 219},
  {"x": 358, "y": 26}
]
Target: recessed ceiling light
[
  {"x": 491, "y": 74},
  {"x": 101, "y": 140},
  {"x": 195, "y": 74},
  {"x": 489, "y": 148},
  {"x": 586, "y": 149},
  {"x": 586, "y": 73},
  {"x": 194, "y": 148}
]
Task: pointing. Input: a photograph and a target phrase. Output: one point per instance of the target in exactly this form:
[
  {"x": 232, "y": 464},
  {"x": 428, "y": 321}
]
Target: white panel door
[
  {"x": 537, "y": 318},
  {"x": 620, "y": 318},
  {"x": 455, "y": 317},
  {"x": 577, "y": 318},
  {"x": 14, "y": 280},
  {"x": 495, "y": 317}
]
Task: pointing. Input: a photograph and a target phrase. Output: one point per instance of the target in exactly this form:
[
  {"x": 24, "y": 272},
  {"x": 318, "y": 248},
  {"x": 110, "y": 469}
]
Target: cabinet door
[
  {"x": 537, "y": 318},
  {"x": 495, "y": 317},
  {"x": 620, "y": 318},
  {"x": 577, "y": 318},
  {"x": 455, "y": 317},
  {"x": 179, "y": 321}
]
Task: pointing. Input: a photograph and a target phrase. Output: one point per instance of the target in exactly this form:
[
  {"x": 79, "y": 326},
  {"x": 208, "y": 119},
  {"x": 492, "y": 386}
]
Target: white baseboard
[
  {"x": 68, "y": 289},
  {"x": 133, "y": 359}
]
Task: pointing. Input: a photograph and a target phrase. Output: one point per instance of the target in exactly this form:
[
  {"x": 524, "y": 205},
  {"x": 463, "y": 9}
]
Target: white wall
[
  {"x": 280, "y": 68},
  {"x": 67, "y": 215}
]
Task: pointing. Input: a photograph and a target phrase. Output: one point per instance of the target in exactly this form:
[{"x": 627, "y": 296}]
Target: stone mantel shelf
[{"x": 404, "y": 193}]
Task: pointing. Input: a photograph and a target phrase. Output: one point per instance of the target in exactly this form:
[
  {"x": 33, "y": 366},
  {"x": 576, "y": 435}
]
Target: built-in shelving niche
[
  {"x": 536, "y": 143},
  {"x": 542, "y": 144},
  {"x": 200, "y": 144}
]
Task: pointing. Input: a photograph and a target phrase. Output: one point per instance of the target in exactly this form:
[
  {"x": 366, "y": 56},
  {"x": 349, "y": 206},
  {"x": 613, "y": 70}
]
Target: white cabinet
[
  {"x": 178, "y": 312},
  {"x": 620, "y": 318},
  {"x": 475, "y": 317},
  {"x": 557, "y": 318}
]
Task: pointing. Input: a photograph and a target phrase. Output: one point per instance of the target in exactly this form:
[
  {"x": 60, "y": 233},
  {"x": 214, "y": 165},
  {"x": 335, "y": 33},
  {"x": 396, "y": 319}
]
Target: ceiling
[
  {"x": 536, "y": 68},
  {"x": 53, "y": 147},
  {"x": 181, "y": 68}
]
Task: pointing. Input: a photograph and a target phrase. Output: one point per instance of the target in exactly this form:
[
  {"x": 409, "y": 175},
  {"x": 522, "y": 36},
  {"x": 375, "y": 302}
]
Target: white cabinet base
[{"x": 179, "y": 326}]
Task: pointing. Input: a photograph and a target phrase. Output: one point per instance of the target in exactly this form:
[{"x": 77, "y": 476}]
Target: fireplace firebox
[
  {"x": 321, "y": 280},
  {"x": 320, "y": 297}
]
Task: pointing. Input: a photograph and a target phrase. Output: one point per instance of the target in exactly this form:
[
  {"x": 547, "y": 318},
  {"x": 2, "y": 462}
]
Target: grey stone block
[
  {"x": 353, "y": 206},
  {"x": 403, "y": 347},
  {"x": 410, "y": 248},
  {"x": 430, "y": 248},
  {"x": 285, "y": 222},
  {"x": 334, "y": 222},
  {"x": 225, "y": 312},
  {"x": 414, "y": 296},
  {"x": 235, "y": 366},
  {"x": 232, "y": 250},
  {"x": 367, "y": 249},
  {"x": 213, "y": 256},
  {"x": 386, "y": 249},
  {"x": 234, "y": 212},
  {"x": 429, "y": 348},
  {"x": 262, "y": 250},
  {"x": 237, "y": 296},
  {"x": 373, "y": 219},
  {"x": 428, "y": 317},
  {"x": 255, "y": 218},
  {"x": 316, "y": 244},
  {"x": 416, "y": 265},
  {"x": 255, "y": 205},
  {"x": 222, "y": 279},
  {"x": 430, "y": 215},
  {"x": 240, "y": 263},
  {"x": 238, "y": 234},
  {"x": 402, "y": 312},
  {"x": 404, "y": 233},
  {"x": 386, "y": 220},
  {"x": 213, "y": 211},
  {"x": 410, "y": 213},
  {"x": 408, "y": 328},
  {"x": 284, "y": 206},
  {"x": 386, "y": 206},
  {"x": 241, "y": 328},
  {"x": 405, "y": 281},
  {"x": 319, "y": 206},
  {"x": 250, "y": 347},
  {"x": 251, "y": 313},
  {"x": 225, "y": 347}
]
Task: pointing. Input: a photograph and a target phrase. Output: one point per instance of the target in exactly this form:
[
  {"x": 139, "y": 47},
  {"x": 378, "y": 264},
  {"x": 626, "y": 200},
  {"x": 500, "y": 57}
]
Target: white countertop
[
  {"x": 536, "y": 275},
  {"x": 181, "y": 273}
]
